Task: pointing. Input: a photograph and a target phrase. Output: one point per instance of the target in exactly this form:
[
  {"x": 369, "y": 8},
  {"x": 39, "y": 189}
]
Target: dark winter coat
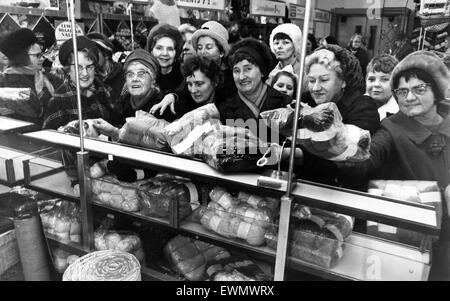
[
  {"x": 234, "y": 108},
  {"x": 356, "y": 109},
  {"x": 37, "y": 103}
]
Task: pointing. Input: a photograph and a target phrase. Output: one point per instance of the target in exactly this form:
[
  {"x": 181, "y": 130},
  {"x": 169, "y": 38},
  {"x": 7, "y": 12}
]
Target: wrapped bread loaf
[
  {"x": 228, "y": 217},
  {"x": 121, "y": 241},
  {"x": 232, "y": 149},
  {"x": 325, "y": 135},
  {"x": 236, "y": 268},
  {"x": 185, "y": 135},
  {"x": 109, "y": 191},
  {"x": 144, "y": 130},
  {"x": 316, "y": 236},
  {"x": 423, "y": 192},
  {"x": 190, "y": 257},
  {"x": 63, "y": 220},
  {"x": 156, "y": 196}
]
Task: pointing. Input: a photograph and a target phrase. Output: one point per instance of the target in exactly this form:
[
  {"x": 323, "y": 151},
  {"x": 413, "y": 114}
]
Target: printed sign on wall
[
  {"x": 298, "y": 12},
  {"x": 63, "y": 31},
  {"x": 202, "y": 4},
  {"x": 267, "y": 8}
]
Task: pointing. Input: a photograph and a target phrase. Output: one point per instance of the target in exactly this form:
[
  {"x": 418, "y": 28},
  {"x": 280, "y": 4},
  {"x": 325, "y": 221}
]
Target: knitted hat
[
  {"x": 255, "y": 49},
  {"x": 67, "y": 48},
  {"x": 144, "y": 57},
  {"x": 101, "y": 40},
  {"x": 214, "y": 30},
  {"x": 293, "y": 31},
  {"x": 16, "y": 42},
  {"x": 168, "y": 31},
  {"x": 351, "y": 68},
  {"x": 427, "y": 62}
]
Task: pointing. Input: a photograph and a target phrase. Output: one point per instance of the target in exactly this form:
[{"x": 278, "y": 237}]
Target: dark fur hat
[{"x": 16, "y": 42}]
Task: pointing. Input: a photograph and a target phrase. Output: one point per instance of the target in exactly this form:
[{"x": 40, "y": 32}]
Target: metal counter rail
[{"x": 392, "y": 212}]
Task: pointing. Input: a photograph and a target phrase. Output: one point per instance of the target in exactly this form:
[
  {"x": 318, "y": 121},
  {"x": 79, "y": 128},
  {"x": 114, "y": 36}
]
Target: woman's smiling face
[
  {"x": 324, "y": 84},
  {"x": 247, "y": 77},
  {"x": 164, "y": 51},
  {"x": 139, "y": 79}
]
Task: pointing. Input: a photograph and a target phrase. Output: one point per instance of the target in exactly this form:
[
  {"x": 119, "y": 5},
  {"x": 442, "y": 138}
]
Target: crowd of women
[{"x": 403, "y": 104}]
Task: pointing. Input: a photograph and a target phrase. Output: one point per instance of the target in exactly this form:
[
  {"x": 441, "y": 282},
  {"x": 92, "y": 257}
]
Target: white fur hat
[{"x": 293, "y": 31}]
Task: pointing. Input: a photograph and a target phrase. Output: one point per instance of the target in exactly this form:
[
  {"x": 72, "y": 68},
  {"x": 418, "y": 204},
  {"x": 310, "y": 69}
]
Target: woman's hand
[
  {"x": 168, "y": 100},
  {"x": 39, "y": 81},
  {"x": 105, "y": 128}
]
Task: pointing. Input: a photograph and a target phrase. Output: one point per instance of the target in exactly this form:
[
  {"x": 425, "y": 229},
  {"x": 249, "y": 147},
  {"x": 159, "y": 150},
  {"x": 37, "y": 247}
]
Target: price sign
[
  {"x": 267, "y": 8},
  {"x": 202, "y": 4},
  {"x": 63, "y": 31}
]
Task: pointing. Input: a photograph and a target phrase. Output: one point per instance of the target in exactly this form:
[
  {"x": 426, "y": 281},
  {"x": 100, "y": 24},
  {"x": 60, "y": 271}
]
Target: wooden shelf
[{"x": 360, "y": 205}]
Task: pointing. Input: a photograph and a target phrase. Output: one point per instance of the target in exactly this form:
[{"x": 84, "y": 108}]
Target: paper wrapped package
[
  {"x": 185, "y": 135},
  {"x": 423, "y": 192},
  {"x": 232, "y": 149},
  {"x": 322, "y": 132},
  {"x": 144, "y": 130}
]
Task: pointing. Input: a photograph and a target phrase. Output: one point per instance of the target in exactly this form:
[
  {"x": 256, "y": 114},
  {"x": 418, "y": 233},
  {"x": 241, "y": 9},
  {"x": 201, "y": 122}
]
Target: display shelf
[
  {"x": 395, "y": 261},
  {"x": 69, "y": 246},
  {"x": 12, "y": 174},
  {"x": 397, "y": 213},
  {"x": 10, "y": 125}
]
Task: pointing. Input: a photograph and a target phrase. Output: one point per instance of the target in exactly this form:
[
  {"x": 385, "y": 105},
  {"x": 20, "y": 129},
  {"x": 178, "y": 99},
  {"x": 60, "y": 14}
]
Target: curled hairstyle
[
  {"x": 204, "y": 64},
  {"x": 421, "y": 75},
  {"x": 382, "y": 63},
  {"x": 345, "y": 64}
]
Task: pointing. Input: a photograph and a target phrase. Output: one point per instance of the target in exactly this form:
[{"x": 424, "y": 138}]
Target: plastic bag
[
  {"x": 236, "y": 268},
  {"x": 325, "y": 135},
  {"x": 111, "y": 192},
  {"x": 316, "y": 236},
  {"x": 119, "y": 240},
  {"x": 144, "y": 130},
  {"x": 157, "y": 195},
  {"x": 281, "y": 120},
  {"x": 231, "y": 149},
  {"x": 185, "y": 135},
  {"x": 69, "y": 158},
  {"x": 190, "y": 257},
  {"x": 228, "y": 217}
]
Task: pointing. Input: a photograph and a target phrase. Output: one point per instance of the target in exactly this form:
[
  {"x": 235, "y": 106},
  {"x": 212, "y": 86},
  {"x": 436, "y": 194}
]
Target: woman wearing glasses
[
  {"x": 414, "y": 143},
  {"x": 96, "y": 99},
  {"x": 142, "y": 92},
  {"x": 24, "y": 70}
]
